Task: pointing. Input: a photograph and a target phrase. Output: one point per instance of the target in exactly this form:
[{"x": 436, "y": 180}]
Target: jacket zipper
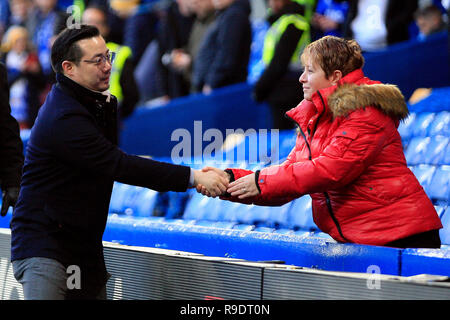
[{"x": 327, "y": 196}]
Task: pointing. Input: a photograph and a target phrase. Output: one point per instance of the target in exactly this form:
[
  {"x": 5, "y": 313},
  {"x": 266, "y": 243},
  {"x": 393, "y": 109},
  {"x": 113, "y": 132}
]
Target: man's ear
[{"x": 67, "y": 67}]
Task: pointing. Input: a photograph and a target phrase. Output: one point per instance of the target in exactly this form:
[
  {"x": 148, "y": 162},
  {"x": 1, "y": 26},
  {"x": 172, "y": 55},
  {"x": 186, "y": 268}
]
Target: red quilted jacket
[{"x": 348, "y": 156}]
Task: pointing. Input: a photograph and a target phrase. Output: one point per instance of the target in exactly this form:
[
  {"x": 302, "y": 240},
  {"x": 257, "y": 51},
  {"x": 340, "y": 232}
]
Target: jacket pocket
[{"x": 340, "y": 143}]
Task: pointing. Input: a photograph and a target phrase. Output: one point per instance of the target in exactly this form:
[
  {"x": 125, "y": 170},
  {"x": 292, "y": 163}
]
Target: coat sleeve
[
  {"x": 353, "y": 147},
  {"x": 11, "y": 147},
  {"x": 81, "y": 146}
]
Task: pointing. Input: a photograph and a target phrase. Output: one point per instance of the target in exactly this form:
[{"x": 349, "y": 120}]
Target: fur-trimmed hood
[{"x": 349, "y": 97}]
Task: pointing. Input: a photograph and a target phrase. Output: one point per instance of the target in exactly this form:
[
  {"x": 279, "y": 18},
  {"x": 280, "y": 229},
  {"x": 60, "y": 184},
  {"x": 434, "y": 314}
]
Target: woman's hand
[{"x": 244, "y": 187}]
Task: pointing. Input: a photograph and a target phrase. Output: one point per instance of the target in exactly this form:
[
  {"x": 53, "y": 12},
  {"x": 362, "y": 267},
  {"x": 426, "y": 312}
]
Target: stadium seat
[
  {"x": 278, "y": 216},
  {"x": 287, "y": 142},
  {"x": 416, "y": 151},
  {"x": 117, "y": 196},
  {"x": 131, "y": 193},
  {"x": 435, "y": 150},
  {"x": 440, "y": 124},
  {"x": 405, "y": 126},
  {"x": 144, "y": 202},
  {"x": 200, "y": 207},
  {"x": 444, "y": 233},
  {"x": 300, "y": 214},
  {"x": 422, "y": 123},
  {"x": 424, "y": 174},
  {"x": 439, "y": 187},
  {"x": 244, "y": 227},
  {"x": 253, "y": 214},
  {"x": 446, "y": 157},
  {"x": 440, "y": 210}
]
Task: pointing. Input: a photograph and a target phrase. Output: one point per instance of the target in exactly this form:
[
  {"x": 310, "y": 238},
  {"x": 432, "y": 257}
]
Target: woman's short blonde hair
[
  {"x": 12, "y": 35},
  {"x": 334, "y": 53}
]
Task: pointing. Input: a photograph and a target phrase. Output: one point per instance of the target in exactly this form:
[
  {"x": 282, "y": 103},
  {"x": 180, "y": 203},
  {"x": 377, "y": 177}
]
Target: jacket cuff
[
  {"x": 257, "y": 180},
  {"x": 230, "y": 172}
]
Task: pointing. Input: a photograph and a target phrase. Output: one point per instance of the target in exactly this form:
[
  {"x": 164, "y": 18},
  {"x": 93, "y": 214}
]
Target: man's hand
[
  {"x": 9, "y": 199},
  {"x": 225, "y": 177},
  {"x": 211, "y": 181}
]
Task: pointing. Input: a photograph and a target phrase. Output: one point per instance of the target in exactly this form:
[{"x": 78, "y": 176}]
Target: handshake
[{"x": 213, "y": 182}]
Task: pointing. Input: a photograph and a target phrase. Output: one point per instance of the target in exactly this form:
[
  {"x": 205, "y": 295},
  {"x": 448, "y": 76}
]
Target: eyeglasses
[{"x": 101, "y": 60}]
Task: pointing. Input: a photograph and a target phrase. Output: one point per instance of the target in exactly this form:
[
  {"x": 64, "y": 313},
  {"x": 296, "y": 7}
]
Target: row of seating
[{"x": 425, "y": 124}]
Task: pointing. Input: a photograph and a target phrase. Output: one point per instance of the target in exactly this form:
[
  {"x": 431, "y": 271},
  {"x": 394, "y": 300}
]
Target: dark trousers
[{"x": 428, "y": 239}]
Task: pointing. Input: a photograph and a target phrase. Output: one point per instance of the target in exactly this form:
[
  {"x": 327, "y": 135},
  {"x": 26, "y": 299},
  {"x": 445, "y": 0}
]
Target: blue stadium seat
[
  {"x": 123, "y": 198},
  {"x": 444, "y": 233},
  {"x": 435, "y": 150},
  {"x": 440, "y": 124},
  {"x": 117, "y": 196},
  {"x": 196, "y": 207},
  {"x": 244, "y": 227},
  {"x": 144, "y": 202},
  {"x": 405, "y": 126},
  {"x": 287, "y": 142},
  {"x": 422, "y": 123},
  {"x": 323, "y": 235},
  {"x": 253, "y": 214},
  {"x": 131, "y": 193},
  {"x": 446, "y": 157},
  {"x": 300, "y": 214},
  {"x": 176, "y": 203},
  {"x": 416, "y": 151},
  {"x": 424, "y": 174},
  {"x": 439, "y": 187},
  {"x": 440, "y": 210},
  {"x": 278, "y": 216}
]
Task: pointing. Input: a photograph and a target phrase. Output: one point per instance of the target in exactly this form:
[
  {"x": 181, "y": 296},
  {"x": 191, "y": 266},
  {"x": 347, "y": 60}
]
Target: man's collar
[{"x": 81, "y": 91}]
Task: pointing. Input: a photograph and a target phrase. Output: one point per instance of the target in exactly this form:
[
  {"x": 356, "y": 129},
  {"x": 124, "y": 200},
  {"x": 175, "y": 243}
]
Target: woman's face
[{"x": 313, "y": 78}]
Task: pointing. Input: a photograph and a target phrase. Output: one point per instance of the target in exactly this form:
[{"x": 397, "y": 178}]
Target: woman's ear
[{"x": 336, "y": 75}]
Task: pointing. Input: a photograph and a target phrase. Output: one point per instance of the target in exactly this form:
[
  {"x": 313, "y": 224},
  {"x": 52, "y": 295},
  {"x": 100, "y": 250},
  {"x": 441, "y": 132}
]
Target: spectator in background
[
  {"x": 140, "y": 23},
  {"x": 25, "y": 78},
  {"x": 20, "y": 11},
  {"x": 4, "y": 16},
  {"x": 376, "y": 24},
  {"x": 225, "y": 51},
  {"x": 430, "y": 21},
  {"x": 181, "y": 59},
  {"x": 175, "y": 29},
  {"x": 329, "y": 17},
  {"x": 46, "y": 19},
  {"x": 287, "y": 36},
  {"x": 11, "y": 149},
  {"x": 122, "y": 82}
]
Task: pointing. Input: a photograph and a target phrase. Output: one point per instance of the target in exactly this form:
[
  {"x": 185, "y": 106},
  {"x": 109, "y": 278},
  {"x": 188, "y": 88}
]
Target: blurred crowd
[{"x": 172, "y": 48}]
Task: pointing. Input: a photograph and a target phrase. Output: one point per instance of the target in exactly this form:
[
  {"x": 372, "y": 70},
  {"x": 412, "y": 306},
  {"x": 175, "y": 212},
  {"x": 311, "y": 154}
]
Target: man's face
[
  {"x": 428, "y": 24},
  {"x": 95, "y": 17},
  {"x": 89, "y": 72}
]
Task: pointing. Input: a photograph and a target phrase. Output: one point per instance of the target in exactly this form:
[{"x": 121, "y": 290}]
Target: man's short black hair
[{"x": 65, "y": 46}]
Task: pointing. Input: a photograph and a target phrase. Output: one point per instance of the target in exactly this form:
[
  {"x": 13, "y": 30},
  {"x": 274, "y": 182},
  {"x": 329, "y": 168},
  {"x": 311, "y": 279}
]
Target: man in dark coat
[
  {"x": 224, "y": 53},
  {"x": 11, "y": 148},
  {"x": 71, "y": 163}
]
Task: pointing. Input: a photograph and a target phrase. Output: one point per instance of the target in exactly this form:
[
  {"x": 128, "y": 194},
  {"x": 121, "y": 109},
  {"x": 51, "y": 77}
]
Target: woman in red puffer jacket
[{"x": 348, "y": 156}]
